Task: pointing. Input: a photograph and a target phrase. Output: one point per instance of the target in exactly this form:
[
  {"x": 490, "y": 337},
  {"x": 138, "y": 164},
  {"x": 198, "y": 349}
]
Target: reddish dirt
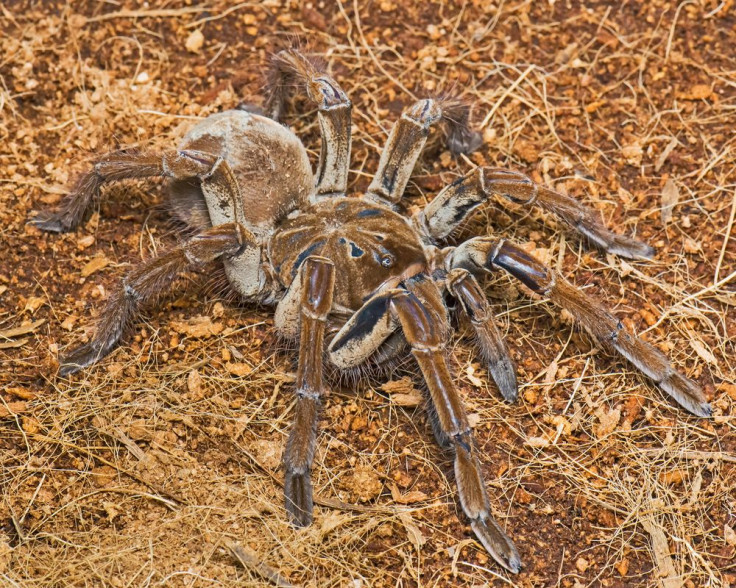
[{"x": 151, "y": 468}]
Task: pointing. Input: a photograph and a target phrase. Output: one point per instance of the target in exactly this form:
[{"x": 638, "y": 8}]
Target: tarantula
[{"x": 353, "y": 280}]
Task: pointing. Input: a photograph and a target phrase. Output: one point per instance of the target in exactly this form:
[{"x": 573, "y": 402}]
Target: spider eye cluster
[{"x": 387, "y": 261}]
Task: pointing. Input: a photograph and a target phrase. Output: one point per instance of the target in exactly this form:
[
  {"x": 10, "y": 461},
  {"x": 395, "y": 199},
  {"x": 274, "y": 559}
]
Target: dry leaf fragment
[
  {"x": 702, "y": 352},
  {"x": 412, "y": 531},
  {"x": 728, "y": 388},
  {"x": 34, "y": 303},
  {"x": 729, "y": 535},
  {"x": 670, "y": 197},
  {"x": 403, "y": 392},
  {"x": 608, "y": 421},
  {"x": 539, "y": 442},
  {"x": 197, "y": 327},
  {"x": 239, "y": 369},
  {"x": 665, "y": 154},
  {"x": 12, "y": 408},
  {"x": 22, "y": 393},
  {"x": 475, "y": 380},
  {"x": 698, "y": 92},
  {"x": 22, "y": 330},
  {"x": 407, "y": 400},
  {"x": 95, "y": 265},
  {"x": 409, "y": 497},
  {"x": 673, "y": 477}
]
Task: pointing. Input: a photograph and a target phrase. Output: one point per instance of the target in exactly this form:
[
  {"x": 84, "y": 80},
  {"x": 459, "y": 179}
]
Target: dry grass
[{"x": 160, "y": 467}]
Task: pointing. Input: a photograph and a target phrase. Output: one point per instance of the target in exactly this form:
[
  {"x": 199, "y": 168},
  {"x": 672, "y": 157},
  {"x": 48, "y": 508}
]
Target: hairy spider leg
[
  {"x": 310, "y": 295},
  {"x": 146, "y": 282},
  {"x": 465, "y": 287},
  {"x": 291, "y": 69},
  {"x": 408, "y": 137},
  {"x": 427, "y": 333},
  {"x": 485, "y": 254},
  {"x": 456, "y": 202}
]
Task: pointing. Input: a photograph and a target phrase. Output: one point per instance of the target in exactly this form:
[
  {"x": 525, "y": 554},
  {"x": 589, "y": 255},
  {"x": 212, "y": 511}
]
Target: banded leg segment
[
  {"x": 213, "y": 171},
  {"x": 423, "y": 333},
  {"x": 408, "y": 137},
  {"x": 455, "y": 203},
  {"x": 465, "y": 288},
  {"x": 147, "y": 281},
  {"x": 317, "y": 285},
  {"x": 426, "y": 332},
  {"x": 488, "y": 254},
  {"x": 291, "y": 68}
]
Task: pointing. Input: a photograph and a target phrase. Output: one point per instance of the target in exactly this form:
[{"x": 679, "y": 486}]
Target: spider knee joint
[
  {"x": 424, "y": 113},
  {"x": 130, "y": 292}
]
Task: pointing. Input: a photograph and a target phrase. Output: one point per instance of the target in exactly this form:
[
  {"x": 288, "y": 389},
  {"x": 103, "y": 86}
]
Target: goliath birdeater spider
[{"x": 353, "y": 280}]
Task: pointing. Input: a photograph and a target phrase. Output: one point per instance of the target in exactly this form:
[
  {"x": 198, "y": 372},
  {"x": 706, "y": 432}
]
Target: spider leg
[
  {"x": 315, "y": 287},
  {"x": 456, "y": 202},
  {"x": 423, "y": 332},
  {"x": 146, "y": 282},
  {"x": 291, "y": 68},
  {"x": 487, "y": 254},
  {"x": 213, "y": 171},
  {"x": 464, "y": 286},
  {"x": 408, "y": 137},
  {"x": 426, "y": 333}
]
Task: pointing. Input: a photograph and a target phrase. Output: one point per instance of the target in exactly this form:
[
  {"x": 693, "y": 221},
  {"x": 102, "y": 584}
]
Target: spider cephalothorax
[{"x": 353, "y": 280}]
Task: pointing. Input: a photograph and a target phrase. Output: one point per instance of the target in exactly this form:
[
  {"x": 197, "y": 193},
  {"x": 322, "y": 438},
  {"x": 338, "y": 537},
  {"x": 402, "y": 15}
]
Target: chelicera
[{"x": 353, "y": 280}]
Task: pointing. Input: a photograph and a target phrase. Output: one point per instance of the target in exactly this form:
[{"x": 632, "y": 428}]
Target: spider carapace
[{"x": 353, "y": 280}]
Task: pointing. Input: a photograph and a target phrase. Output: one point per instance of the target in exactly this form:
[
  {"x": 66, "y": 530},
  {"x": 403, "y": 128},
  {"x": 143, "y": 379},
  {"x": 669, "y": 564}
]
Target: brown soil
[{"x": 162, "y": 464}]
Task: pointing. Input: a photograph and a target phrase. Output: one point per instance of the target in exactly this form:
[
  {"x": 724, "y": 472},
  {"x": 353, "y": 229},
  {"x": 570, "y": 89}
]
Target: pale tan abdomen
[{"x": 269, "y": 162}]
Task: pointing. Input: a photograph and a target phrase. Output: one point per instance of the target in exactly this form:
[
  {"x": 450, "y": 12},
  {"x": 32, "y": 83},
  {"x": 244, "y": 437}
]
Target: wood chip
[
  {"x": 95, "y": 265},
  {"x": 670, "y": 197},
  {"x": 669, "y": 578},
  {"x": 239, "y": 369},
  {"x": 22, "y": 393},
  {"x": 22, "y": 330},
  {"x": 665, "y": 154},
  {"x": 12, "y": 408},
  {"x": 197, "y": 327},
  {"x": 34, "y": 303},
  {"x": 403, "y": 392}
]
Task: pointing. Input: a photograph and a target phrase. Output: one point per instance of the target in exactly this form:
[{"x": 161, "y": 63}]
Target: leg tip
[
  {"x": 49, "y": 222},
  {"x": 504, "y": 375},
  {"x": 687, "y": 394},
  {"x": 497, "y": 544},
  {"x": 298, "y": 495},
  {"x": 79, "y": 359}
]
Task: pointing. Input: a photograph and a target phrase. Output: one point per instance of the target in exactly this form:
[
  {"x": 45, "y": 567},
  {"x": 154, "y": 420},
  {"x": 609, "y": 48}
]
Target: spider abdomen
[
  {"x": 270, "y": 165},
  {"x": 371, "y": 246}
]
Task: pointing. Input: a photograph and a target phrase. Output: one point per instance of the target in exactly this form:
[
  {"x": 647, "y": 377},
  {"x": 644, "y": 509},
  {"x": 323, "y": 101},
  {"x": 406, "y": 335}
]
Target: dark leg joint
[{"x": 524, "y": 267}]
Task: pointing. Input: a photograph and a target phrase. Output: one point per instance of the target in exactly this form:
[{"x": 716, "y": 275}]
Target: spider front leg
[
  {"x": 363, "y": 334},
  {"x": 147, "y": 281},
  {"x": 487, "y": 254},
  {"x": 290, "y": 68},
  {"x": 455, "y": 203},
  {"x": 464, "y": 287},
  {"x": 310, "y": 295},
  {"x": 408, "y": 137},
  {"x": 212, "y": 171}
]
